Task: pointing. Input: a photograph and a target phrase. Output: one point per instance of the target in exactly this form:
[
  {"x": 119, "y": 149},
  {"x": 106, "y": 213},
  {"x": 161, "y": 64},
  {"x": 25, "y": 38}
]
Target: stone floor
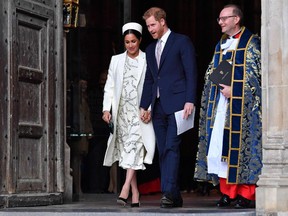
[{"x": 105, "y": 204}]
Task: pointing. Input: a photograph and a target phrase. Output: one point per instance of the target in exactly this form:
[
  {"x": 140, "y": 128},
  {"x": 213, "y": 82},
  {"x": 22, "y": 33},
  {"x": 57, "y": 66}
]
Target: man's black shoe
[
  {"x": 167, "y": 202},
  {"x": 242, "y": 203},
  {"x": 224, "y": 201}
]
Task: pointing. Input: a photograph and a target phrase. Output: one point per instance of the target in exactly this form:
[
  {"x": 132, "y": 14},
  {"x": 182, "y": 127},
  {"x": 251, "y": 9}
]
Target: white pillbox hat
[{"x": 132, "y": 25}]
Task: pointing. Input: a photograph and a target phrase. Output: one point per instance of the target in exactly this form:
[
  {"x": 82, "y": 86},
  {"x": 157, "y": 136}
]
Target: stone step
[{"x": 105, "y": 205}]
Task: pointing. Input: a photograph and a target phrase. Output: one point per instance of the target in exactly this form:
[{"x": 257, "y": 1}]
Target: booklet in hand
[{"x": 222, "y": 74}]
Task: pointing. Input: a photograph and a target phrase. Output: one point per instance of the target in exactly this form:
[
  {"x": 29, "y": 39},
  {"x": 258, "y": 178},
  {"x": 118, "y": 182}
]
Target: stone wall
[{"x": 271, "y": 195}]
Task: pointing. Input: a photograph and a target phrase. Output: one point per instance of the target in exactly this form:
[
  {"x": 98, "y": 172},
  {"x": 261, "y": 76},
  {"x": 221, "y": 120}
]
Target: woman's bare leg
[
  {"x": 134, "y": 188},
  {"x": 126, "y": 187}
]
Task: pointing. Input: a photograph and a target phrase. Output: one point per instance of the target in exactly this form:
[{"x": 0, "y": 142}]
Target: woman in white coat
[{"x": 131, "y": 142}]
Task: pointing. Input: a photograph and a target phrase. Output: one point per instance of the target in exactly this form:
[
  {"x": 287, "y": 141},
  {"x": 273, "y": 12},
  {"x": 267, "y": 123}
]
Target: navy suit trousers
[{"x": 168, "y": 144}]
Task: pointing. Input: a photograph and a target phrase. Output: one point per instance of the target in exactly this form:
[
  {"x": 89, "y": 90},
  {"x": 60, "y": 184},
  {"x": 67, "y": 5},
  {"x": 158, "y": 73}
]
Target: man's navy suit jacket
[{"x": 176, "y": 76}]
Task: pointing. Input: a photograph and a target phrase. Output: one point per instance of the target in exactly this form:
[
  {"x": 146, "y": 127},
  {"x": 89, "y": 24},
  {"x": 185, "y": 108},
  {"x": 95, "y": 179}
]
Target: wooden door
[{"x": 32, "y": 95}]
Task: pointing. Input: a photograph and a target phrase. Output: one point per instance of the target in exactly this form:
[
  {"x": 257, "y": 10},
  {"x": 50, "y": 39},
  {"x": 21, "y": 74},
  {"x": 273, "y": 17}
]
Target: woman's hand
[{"x": 106, "y": 116}]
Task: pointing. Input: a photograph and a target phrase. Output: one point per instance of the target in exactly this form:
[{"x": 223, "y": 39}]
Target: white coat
[{"x": 112, "y": 94}]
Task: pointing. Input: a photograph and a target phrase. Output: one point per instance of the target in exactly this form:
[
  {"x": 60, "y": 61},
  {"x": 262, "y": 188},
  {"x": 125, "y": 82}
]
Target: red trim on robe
[{"x": 232, "y": 190}]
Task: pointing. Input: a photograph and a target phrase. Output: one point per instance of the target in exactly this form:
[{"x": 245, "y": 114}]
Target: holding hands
[{"x": 145, "y": 115}]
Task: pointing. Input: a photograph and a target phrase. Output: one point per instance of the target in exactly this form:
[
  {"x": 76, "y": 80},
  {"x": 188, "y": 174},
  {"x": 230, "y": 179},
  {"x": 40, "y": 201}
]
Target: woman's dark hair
[{"x": 132, "y": 31}]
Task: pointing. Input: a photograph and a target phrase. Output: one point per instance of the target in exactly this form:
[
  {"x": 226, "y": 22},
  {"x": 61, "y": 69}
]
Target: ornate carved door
[{"x": 31, "y": 103}]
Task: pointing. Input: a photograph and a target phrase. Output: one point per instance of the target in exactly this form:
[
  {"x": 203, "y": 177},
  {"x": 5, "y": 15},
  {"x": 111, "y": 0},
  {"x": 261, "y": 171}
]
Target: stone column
[{"x": 272, "y": 193}]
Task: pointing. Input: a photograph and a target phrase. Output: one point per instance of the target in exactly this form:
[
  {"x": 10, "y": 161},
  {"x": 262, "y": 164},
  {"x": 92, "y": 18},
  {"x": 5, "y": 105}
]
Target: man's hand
[
  {"x": 226, "y": 91},
  {"x": 188, "y": 109},
  {"x": 145, "y": 115}
]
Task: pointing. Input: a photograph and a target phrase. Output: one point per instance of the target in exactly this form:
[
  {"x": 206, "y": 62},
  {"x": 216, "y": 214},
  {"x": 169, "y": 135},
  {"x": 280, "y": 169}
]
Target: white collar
[{"x": 164, "y": 37}]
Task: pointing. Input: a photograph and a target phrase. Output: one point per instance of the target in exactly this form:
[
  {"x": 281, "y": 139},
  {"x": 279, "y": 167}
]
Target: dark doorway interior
[{"x": 90, "y": 47}]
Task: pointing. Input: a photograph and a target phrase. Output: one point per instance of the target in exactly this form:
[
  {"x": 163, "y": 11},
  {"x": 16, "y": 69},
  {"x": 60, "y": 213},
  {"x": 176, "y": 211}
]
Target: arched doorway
[{"x": 90, "y": 48}]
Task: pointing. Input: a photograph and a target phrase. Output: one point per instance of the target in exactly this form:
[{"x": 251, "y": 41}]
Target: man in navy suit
[{"x": 169, "y": 86}]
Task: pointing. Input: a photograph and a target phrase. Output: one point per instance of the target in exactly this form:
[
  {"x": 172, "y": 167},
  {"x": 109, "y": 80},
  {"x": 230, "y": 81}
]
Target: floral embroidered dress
[{"x": 129, "y": 144}]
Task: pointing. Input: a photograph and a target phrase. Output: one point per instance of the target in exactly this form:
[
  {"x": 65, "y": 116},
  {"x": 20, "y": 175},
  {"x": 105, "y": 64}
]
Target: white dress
[{"x": 129, "y": 144}]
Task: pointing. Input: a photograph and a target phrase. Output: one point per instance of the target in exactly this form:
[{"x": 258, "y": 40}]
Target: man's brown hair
[{"x": 157, "y": 12}]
